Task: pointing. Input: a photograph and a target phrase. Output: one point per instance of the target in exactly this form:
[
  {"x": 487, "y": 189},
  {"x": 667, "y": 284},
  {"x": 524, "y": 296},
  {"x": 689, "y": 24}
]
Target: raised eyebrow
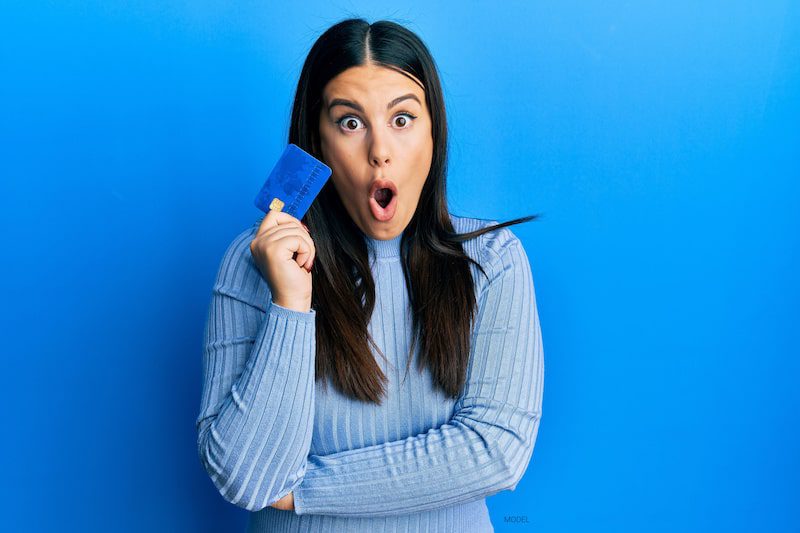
[{"x": 357, "y": 106}]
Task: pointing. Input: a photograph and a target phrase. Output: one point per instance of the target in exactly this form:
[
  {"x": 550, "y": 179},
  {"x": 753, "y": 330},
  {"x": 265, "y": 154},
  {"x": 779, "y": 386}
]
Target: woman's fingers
[
  {"x": 274, "y": 226},
  {"x": 299, "y": 242},
  {"x": 276, "y": 218}
]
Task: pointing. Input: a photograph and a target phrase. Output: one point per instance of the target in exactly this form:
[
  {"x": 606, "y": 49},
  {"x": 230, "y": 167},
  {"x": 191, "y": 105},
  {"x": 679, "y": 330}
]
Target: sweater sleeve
[
  {"x": 257, "y": 407},
  {"x": 487, "y": 444}
]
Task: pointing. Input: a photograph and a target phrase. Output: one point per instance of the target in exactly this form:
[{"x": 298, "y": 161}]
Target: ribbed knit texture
[{"x": 419, "y": 462}]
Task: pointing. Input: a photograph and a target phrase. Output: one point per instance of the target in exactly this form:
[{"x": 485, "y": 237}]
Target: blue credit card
[{"x": 294, "y": 182}]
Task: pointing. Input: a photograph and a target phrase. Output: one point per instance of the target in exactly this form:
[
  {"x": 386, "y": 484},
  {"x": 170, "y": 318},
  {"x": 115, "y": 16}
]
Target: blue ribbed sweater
[{"x": 419, "y": 462}]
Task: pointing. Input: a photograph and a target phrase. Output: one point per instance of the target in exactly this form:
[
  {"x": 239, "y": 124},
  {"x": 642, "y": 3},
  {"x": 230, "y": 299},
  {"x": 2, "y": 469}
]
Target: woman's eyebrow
[{"x": 357, "y": 107}]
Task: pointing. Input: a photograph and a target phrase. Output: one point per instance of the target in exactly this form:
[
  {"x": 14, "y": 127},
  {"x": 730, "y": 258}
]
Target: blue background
[{"x": 659, "y": 139}]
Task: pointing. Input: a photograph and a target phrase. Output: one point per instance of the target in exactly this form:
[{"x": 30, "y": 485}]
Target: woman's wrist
[{"x": 285, "y": 504}]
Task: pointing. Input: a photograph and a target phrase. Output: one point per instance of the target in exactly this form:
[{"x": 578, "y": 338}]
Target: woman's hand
[
  {"x": 285, "y": 504},
  {"x": 284, "y": 253}
]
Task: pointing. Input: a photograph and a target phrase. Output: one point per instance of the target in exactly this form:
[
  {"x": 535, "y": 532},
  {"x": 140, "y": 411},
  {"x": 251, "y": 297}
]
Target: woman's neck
[{"x": 387, "y": 248}]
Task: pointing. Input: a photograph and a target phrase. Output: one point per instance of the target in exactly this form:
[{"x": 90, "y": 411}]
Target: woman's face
[{"x": 375, "y": 136}]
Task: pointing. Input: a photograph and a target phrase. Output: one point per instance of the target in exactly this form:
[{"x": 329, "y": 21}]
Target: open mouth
[
  {"x": 383, "y": 199},
  {"x": 383, "y": 196}
]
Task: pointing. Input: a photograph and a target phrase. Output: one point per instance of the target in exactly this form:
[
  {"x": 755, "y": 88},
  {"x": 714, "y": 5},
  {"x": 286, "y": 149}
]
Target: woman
[{"x": 300, "y": 422}]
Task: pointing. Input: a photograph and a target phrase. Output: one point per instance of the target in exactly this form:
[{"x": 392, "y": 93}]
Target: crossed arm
[{"x": 483, "y": 449}]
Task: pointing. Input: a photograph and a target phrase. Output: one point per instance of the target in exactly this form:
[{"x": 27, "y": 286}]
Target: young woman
[{"x": 311, "y": 416}]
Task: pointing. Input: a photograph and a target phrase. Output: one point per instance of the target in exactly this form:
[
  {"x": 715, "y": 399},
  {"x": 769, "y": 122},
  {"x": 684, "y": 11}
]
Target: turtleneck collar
[{"x": 388, "y": 248}]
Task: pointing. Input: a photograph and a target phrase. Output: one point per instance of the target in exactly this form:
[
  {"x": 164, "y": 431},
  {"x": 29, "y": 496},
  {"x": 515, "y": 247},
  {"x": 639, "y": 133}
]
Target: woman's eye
[
  {"x": 350, "y": 122},
  {"x": 406, "y": 122}
]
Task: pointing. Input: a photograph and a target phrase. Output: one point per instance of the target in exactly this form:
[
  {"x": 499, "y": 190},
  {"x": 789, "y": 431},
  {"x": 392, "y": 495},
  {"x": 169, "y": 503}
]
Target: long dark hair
[{"x": 435, "y": 266}]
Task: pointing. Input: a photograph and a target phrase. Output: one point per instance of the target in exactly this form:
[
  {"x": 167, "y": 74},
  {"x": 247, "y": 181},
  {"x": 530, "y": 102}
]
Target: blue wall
[{"x": 659, "y": 139}]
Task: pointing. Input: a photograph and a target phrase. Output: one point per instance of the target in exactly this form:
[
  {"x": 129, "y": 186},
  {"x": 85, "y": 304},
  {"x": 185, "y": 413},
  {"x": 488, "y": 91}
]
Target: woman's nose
[{"x": 379, "y": 150}]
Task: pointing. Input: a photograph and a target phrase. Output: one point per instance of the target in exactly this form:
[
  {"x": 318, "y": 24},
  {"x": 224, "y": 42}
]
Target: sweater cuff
[
  {"x": 299, "y": 503},
  {"x": 291, "y": 314}
]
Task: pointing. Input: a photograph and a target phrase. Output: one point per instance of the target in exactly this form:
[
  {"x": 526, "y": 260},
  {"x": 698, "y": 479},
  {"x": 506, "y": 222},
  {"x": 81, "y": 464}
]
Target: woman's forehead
[{"x": 371, "y": 82}]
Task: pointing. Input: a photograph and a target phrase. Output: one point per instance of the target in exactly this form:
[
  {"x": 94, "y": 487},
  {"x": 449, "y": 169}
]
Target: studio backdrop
[{"x": 659, "y": 141}]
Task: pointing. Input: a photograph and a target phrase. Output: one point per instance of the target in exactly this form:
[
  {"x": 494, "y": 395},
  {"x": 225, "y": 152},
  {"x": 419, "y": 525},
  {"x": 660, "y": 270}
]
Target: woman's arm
[
  {"x": 257, "y": 408},
  {"x": 285, "y": 504},
  {"x": 487, "y": 444}
]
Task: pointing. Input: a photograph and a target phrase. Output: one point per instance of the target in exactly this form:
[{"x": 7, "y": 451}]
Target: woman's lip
[{"x": 381, "y": 183}]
